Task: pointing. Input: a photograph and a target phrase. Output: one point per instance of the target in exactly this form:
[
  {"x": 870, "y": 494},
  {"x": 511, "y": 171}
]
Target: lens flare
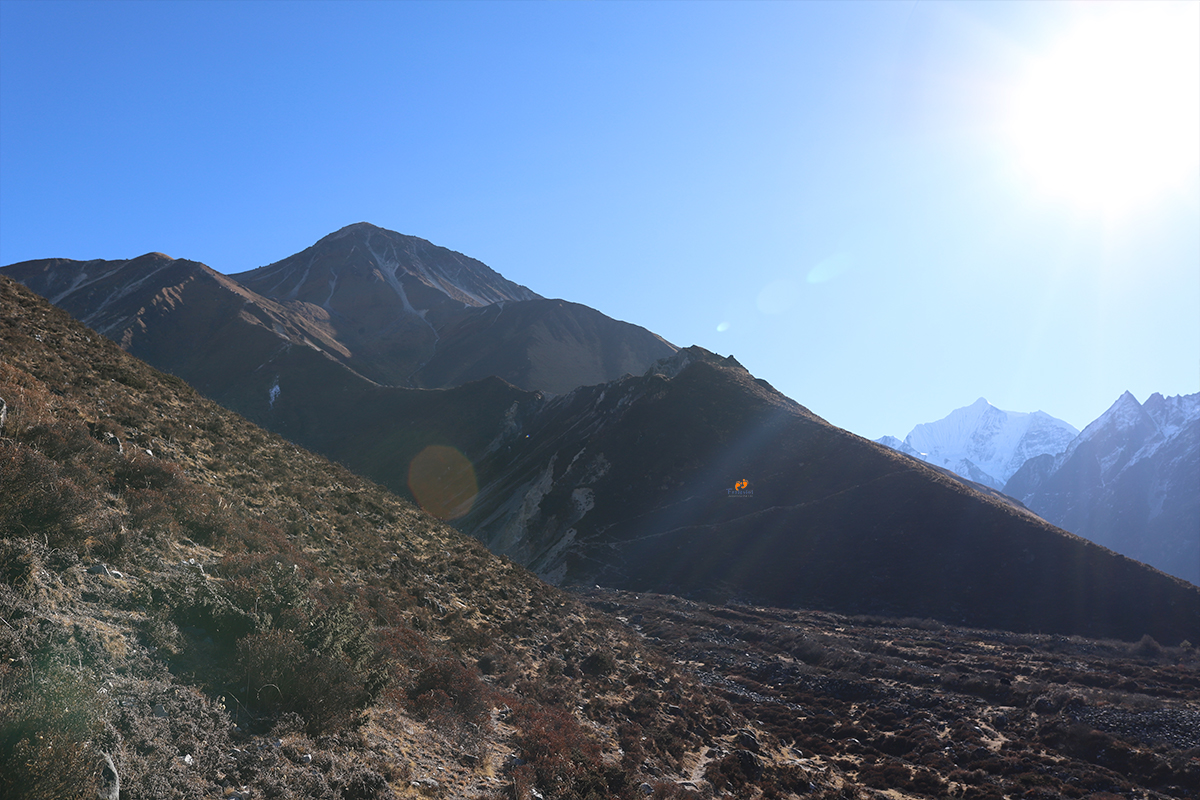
[
  {"x": 829, "y": 268},
  {"x": 443, "y": 481}
]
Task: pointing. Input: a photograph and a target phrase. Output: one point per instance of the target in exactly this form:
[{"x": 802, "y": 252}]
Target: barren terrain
[{"x": 916, "y": 708}]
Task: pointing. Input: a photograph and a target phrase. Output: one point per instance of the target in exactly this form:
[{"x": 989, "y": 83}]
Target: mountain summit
[
  {"x": 334, "y": 273},
  {"x": 983, "y": 443},
  {"x": 395, "y": 310}
]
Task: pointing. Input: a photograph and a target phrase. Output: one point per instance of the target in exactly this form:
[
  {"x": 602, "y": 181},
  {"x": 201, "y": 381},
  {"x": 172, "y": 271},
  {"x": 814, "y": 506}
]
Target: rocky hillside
[
  {"x": 915, "y": 708},
  {"x": 193, "y": 607}
]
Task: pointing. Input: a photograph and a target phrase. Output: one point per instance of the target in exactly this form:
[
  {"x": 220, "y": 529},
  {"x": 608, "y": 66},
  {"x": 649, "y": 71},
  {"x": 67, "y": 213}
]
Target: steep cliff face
[{"x": 1128, "y": 482}]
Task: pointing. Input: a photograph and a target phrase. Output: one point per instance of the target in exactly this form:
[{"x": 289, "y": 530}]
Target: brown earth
[{"x": 917, "y": 708}]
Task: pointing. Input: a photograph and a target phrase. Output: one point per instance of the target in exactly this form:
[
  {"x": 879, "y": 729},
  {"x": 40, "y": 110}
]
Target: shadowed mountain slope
[
  {"x": 635, "y": 484},
  {"x": 632, "y": 484}
]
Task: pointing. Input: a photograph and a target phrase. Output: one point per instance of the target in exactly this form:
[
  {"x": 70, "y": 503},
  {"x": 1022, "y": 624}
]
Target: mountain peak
[
  {"x": 987, "y": 444},
  {"x": 365, "y": 263},
  {"x": 1128, "y": 482},
  {"x": 675, "y": 363},
  {"x": 360, "y": 230},
  {"x": 1125, "y": 412}
]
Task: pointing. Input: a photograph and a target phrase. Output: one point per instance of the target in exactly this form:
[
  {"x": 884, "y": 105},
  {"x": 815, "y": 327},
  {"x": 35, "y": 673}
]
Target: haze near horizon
[{"x": 886, "y": 210}]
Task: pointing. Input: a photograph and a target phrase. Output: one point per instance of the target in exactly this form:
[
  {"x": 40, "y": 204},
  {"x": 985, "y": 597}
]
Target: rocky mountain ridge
[
  {"x": 389, "y": 309},
  {"x": 688, "y": 475},
  {"x": 1128, "y": 482}
]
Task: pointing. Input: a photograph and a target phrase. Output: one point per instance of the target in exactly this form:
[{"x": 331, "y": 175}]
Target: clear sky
[{"x": 885, "y": 209}]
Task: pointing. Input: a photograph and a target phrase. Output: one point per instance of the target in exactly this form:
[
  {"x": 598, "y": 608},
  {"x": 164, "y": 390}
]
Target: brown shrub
[
  {"x": 282, "y": 675},
  {"x": 38, "y": 500},
  {"x": 143, "y": 471},
  {"x": 451, "y": 694},
  {"x": 564, "y": 759}
]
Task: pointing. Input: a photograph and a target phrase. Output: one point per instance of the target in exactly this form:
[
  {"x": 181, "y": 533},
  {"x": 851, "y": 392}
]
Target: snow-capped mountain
[
  {"x": 983, "y": 443},
  {"x": 1130, "y": 481}
]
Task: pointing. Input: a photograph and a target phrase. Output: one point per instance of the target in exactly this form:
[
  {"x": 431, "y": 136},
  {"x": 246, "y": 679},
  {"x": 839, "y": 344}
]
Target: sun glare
[{"x": 1109, "y": 117}]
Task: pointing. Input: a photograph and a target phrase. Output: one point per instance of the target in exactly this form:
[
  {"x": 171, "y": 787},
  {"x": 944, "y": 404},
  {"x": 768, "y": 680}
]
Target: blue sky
[{"x": 886, "y": 209}]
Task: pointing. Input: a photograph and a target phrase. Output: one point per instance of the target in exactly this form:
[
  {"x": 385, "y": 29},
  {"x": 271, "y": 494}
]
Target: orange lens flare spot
[{"x": 443, "y": 481}]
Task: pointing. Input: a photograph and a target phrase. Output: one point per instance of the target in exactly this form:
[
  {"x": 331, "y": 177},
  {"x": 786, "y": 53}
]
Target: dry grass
[{"x": 239, "y": 612}]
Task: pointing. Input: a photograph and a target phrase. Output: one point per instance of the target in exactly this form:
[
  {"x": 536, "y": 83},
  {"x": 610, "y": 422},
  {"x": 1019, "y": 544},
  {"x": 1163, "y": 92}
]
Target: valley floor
[{"x": 915, "y": 708}]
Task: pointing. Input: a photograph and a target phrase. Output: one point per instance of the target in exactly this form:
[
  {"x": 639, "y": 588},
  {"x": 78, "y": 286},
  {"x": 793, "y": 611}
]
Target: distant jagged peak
[
  {"x": 1172, "y": 414},
  {"x": 1160, "y": 418},
  {"x": 1123, "y": 414},
  {"x": 901, "y": 446}
]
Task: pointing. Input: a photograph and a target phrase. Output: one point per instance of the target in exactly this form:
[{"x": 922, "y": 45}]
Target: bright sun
[{"x": 1109, "y": 117}]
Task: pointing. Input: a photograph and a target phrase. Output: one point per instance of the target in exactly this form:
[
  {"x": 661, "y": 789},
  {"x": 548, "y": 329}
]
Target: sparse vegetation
[
  {"x": 932, "y": 710},
  {"x": 215, "y": 608},
  {"x": 218, "y": 608}
]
